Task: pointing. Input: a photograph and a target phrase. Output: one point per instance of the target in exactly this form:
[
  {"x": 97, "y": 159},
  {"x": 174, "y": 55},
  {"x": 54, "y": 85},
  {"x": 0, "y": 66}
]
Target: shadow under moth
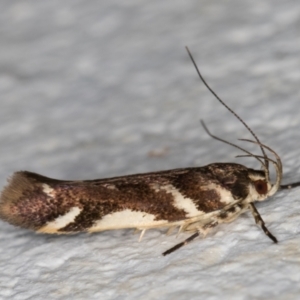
[{"x": 190, "y": 199}]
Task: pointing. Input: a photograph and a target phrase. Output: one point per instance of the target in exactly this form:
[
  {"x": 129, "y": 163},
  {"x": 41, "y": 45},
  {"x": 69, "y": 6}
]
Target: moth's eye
[{"x": 261, "y": 187}]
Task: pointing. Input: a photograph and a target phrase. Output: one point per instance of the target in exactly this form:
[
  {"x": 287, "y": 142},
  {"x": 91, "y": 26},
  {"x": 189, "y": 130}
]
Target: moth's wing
[
  {"x": 34, "y": 201},
  {"x": 143, "y": 200}
]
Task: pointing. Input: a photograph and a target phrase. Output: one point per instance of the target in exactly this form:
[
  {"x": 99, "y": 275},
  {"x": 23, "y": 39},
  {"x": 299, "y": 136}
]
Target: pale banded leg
[
  {"x": 191, "y": 238},
  {"x": 188, "y": 240},
  {"x": 259, "y": 221}
]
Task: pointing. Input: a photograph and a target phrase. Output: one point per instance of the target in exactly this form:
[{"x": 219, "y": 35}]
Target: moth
[{"x": 191, "y": 199}]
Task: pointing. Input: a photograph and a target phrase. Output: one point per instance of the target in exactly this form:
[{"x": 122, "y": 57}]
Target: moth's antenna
[
  {"x": 233, "y": 145},
  {"x": 277, "y": 164},
  {"x": 228, "y": 108}
]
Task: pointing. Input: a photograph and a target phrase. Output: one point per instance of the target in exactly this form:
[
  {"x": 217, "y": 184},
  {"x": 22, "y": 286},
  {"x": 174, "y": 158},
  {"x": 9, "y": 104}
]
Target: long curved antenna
[
  {"x": 277, "y": 164},
  {"x": 269, "y": 149},
  {"x": 260, "y": 156},
  {"x": 236, "y": 146},
  {"x": 228, "y": 108}
]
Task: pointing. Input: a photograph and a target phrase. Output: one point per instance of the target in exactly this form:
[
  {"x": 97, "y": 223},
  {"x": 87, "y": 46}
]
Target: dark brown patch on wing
[
  {"x": 100, "y": 201},
  {"x": 193, "y": 185}
]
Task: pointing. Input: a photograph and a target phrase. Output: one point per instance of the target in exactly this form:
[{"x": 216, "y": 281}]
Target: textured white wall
[{"x": 88, "y": 89}]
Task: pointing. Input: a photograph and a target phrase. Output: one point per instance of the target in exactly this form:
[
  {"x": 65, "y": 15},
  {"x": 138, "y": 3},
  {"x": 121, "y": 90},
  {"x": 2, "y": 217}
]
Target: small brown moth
[{"x": 191, "y": 199}]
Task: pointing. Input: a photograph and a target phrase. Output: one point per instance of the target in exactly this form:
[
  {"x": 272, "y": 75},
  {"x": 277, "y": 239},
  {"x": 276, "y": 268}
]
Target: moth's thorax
[{"x": 244, "y": 183}]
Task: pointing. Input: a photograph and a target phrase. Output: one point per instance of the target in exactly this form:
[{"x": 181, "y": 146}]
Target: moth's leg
[
  {"x": 142, "y": 234},
  {"x": 170, "y": 230},
  {"x": 202, "y": 229},
  {"x": 180, "y": 229},
  {"x": 289, "y": 186},
  {"x": 259, "y": 221},
  {"x": 232, "y": 212},
  {"x": 188, "y": 240}
]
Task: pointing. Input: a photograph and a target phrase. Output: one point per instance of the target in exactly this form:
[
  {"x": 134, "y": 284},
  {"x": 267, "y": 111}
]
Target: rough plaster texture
[{"x": 89, "y": 89}]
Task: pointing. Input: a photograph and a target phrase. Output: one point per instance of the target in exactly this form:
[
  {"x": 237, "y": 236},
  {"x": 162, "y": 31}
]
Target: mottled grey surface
[{"x": 89, "y": 89}]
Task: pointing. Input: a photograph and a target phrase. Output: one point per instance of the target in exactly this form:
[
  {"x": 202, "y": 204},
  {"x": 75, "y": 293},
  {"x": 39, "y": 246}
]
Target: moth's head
[{"x": 260, "y": 186}]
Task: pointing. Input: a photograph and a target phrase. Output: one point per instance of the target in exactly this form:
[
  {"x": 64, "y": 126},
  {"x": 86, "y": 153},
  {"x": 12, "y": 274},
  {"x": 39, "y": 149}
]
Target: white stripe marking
[
  {"x": 225, "y": 195},
  {"x": 126, "y": 219},
  {"x": 48, "y": 190},
  {"x": 188, "y": 205},
  {"x": 61, "y": 221},
  {"x": 182, "y": 202}
]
